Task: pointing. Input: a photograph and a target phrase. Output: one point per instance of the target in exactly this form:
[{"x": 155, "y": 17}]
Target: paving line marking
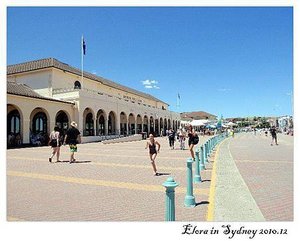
[
  {"x": 96, "y": 182},
  {"x": 13, "y": 219},
  {"x": 109, "y": 164},
  {"x": 146, "y": 156},
  {"x": 212, "y": 189},
  {"x": 137, "y": 166}
]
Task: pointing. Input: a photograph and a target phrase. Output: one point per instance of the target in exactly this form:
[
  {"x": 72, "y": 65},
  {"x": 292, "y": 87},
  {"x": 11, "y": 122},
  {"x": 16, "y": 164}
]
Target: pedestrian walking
[
  {"x": 72, "y": 138},
  {"x": 55, "y": 143},
  {"x": 171, "y": 136},
  {"x": 181, "y": 136},
  {"x": 151, "y": 144},
  {"x": 193, "y": 140},
  {"x": 273, "y": 133}
]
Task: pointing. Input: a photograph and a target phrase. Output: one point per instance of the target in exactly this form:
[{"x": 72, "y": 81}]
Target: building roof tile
[{"x": 24, "y": 90}]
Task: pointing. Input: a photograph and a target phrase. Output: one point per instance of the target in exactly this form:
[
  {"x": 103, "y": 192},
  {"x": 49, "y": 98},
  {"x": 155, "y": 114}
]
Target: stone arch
[
  {"x": 14, "y": 130},
  {"x": 62, "y": 120},
  {"x": 100, "y": 124},
  {"x": 151, "y": 125},
  {"x": 161, "y": 126},
  {"x": 123, "y": 123},
  {"x": 145, "y": 126},
  {"x": 88, "y": 122},
  {"x": 165, "y": 126},
  {"x": 139, "y": 124},
  {"x": 111, "y": 123},
  {"x": 131, "y": 124},
  {"x": 39, "y": 125}
]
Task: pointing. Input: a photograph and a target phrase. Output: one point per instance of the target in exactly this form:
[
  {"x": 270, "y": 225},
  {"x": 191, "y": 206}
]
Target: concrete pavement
[{"x": 114, "y": 182}]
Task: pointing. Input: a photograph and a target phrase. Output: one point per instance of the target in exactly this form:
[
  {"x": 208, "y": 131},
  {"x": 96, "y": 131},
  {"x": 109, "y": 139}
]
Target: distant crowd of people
[
  {"x": 72, "y": 137},
  {"x": 14, "y": 140},
  {"x": 181, "y": 134}
]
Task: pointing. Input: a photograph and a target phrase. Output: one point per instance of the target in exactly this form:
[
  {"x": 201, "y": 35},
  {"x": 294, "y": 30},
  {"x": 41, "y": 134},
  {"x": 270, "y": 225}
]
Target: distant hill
[{"x": 197, "y": 115}]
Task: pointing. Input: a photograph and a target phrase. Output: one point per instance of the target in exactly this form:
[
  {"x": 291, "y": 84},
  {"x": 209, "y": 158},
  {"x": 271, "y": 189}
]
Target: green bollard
[
  {"x": 202, "y": 166},
  {"x": 208, "y": 148},
  {"x": 189, "y": 200},
  {"x": 197, "y": 177},
  {"x": 170, "y": 185},
  {"x": 206, "y": 152}
]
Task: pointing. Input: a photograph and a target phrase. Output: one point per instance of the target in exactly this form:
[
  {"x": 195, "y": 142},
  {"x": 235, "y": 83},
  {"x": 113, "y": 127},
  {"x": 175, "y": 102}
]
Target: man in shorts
[
  {"x": 72, "y": 138},
  {"x": 274, "y": 135}
]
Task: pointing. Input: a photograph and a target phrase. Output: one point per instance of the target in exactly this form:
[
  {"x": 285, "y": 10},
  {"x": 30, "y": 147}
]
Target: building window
[
  {"x": 39, "y": 134},
  {"x": 77, "y": 85},
  {"x": 13, "y": 123},
  {"x": 39, "y": 123},
  {"x": 89, "y": 124},
  {"x": 62, "y": 121},
  {"x": 101, "y": 125},
  {"x": 13, "y": 129}
]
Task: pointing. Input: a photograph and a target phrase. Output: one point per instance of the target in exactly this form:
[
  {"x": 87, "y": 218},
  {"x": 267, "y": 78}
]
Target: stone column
[
  {"x": 106, "y": 125},
  {"x": 95, "y": 126},
  {"x": 26, "y": 130},
  {"x": 117, "y": 125}
]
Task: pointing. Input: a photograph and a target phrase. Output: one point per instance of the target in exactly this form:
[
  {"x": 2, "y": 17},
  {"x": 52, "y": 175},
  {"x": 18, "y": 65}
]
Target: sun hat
[{"x": 74, "y": 124}]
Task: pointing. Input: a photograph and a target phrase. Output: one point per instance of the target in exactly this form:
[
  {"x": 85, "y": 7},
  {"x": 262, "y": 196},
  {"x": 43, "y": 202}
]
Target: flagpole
[
  {"x": 178, "y": 101},
  {"x": 82, "y": 61}
]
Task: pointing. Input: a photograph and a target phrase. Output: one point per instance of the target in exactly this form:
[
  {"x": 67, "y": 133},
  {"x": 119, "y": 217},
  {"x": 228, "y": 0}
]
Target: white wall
[{"x": 37, "y": 80}]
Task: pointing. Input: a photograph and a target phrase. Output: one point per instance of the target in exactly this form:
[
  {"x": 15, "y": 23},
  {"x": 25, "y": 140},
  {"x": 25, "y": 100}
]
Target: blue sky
[{"x": 230, "y": 61}]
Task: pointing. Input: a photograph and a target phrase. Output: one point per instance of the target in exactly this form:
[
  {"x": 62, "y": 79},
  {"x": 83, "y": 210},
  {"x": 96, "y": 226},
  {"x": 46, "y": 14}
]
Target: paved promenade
[
  {"x": 114, "y": 182},
  {"x": 259, "y": 178}
]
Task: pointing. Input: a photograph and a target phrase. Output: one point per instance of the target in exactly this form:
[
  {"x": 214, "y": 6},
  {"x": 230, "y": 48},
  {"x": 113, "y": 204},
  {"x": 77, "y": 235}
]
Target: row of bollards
[{"x": 200, "y": 160}]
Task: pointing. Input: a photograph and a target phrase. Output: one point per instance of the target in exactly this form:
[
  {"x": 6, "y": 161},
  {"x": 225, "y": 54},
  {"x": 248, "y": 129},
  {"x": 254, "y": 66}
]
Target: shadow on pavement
[
  {"x": 73, "y": 162},
  {"x": 162, "y": 174},
  {"x": 202, "y": 203},
  {"x": 81, "y": 161}
]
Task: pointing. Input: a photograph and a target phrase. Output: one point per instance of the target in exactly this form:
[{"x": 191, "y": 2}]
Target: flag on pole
[
  {"x": 83, "y": 46},
  {"x": 83, "y": 51},
  {"x": 178, "y": 99}
]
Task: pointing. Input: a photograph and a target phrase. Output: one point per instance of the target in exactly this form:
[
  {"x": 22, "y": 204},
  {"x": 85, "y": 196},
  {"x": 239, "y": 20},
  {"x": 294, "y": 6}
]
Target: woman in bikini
[
  {"x": 193, "y": 140},
  {"x": 153, "y": 152}
]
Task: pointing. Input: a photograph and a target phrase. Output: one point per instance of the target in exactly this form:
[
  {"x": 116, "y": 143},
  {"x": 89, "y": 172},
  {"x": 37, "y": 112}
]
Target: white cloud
[
  {"x": 150, "y": 84},
  {"x": 224, "y": 89}
]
